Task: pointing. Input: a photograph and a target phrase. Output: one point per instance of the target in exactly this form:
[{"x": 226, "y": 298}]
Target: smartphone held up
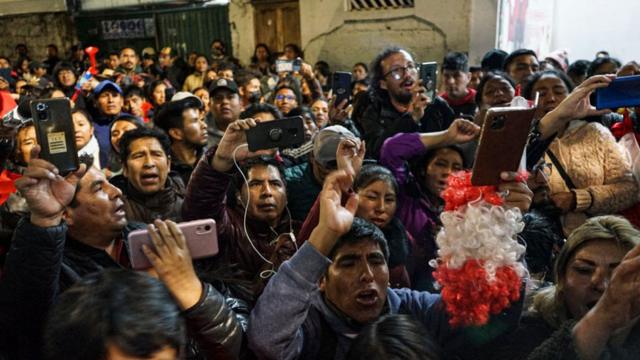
[{"x": 55, "y": 133}]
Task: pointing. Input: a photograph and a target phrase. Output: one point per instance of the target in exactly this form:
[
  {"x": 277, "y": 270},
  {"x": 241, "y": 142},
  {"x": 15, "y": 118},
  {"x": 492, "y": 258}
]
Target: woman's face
[
  {"x": 588, "y": 273},
  {"x": 552, "y": 91},
  {"x": 320, "y": 109},
  {"x": 159, "y": 94},
  {"x": 359, "y": 72},
  {"x": 377, "y": 203},
  {"x": 285, "y": 100},
  {"x": 445, "y": 162},
  {"x": 24, "y": 66},
  {"x": 117, "y": 130},
  {"x": 201, "y": 64},
  {"x": 203, "y": 94},
  {"x": 261, "y": 54},
  {"x": 83, "y": 130},
  {"x": 497, "y": 92}
]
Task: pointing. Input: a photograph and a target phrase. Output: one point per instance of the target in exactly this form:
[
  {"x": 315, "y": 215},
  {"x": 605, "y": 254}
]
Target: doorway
[{"x": 277, "y": 23}]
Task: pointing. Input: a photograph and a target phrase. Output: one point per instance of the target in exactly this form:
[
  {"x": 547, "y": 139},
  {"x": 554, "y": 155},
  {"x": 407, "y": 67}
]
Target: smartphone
[
  {"x": 284, "y": 66},
  {"x": 621, "y": 92},
  {"x": 341, "y": 86},
  {"x": 503, "y": 140},
  {"x": 55, "y": 133},
  {"x": 296, "y": 65},
  {"x": 201, "y": 237},
  {"x": 283, "y": 133},
  {"x": 429, "y": 77}
]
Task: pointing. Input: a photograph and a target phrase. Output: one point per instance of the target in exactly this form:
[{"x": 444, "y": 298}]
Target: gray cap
[{"x": 326, "y": 141}]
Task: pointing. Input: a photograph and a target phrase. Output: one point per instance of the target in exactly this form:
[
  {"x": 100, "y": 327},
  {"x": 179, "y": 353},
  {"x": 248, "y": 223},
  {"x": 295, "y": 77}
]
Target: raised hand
[
  {"x": 339, "y": 113},
  {"x": 350, "y": 155},
  {"x": 461, "y": 131},
  {"x": 172, "y": 262},
  {"x": 234, "y": 138},
  {"x": 577, "y": 105},
  {"x": 335, "y": 218},
  {"x": 419, "y": 102},
  {"x": 617, "y": 308},
  {"x": 46, "y": 192}
]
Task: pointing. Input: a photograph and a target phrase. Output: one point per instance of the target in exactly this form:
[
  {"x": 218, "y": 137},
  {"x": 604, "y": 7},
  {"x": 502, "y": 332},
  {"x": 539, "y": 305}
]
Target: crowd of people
[{"x": 325, "y": 250}]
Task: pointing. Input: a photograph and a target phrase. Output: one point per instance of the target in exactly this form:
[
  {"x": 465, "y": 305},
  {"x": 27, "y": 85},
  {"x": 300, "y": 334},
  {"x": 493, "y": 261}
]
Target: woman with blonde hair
[{"x": 596, "y": 273}]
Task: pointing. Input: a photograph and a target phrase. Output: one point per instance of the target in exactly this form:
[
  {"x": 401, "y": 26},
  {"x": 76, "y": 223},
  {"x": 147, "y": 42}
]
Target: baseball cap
[
  {"x": 326, "y": 141},
  {"x": 105, "y": 85},
  {"x": 223, "y": 84},
  {"x": 179, "y": 102}
]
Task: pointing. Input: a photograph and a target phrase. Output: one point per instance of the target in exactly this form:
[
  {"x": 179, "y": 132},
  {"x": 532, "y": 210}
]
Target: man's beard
[{"x": 402, "y": 98}]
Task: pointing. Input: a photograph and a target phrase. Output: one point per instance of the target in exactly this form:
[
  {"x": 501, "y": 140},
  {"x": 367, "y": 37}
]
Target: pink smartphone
[{"x": 201, "y": 237}]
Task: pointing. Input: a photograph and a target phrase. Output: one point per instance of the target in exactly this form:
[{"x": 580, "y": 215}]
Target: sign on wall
[{"x": 128, "y": 29}]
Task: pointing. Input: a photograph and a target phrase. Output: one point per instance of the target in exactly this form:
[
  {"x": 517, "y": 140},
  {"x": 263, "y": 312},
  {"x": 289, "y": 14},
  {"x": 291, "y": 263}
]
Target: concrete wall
[
  {"x": 16, "y": 7},
  {"x": 242, "y": 30},
  {"x": 340, "y": 37},
  {"x": 483, "y": 28},
  {"x": 37, "y": 31}
]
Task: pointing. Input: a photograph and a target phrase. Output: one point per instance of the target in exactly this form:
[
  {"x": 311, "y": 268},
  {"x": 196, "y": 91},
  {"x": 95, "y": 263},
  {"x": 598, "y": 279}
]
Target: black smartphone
[
  {"x": 296, "y": 65},
  {"x": 429, "y": 76},
  {"x": 341, "y": 85},
  {"x": 283, "y": 133},
  {"x": 621, "y": 92},
  {"x": 55, "y": 133}
]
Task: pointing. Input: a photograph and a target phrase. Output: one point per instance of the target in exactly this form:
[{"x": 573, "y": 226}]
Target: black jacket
[
  {"x": 43, "y": 262},
  {"x": 380, "y": 120},
  {"x": 165, "y": 204}
]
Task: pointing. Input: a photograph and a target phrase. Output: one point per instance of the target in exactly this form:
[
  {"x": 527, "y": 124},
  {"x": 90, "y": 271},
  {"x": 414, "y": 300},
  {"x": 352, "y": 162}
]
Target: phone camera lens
[
  {"x": 275, "y": 134},
  {"x": 207, "y": 228},
  {"x": 42, "y": 115},
  {"x": 41, "y": 107}
]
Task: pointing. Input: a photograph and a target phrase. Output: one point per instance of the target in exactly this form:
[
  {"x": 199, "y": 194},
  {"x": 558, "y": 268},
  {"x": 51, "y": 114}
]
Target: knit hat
[
  {"x": 326, "y": 141},
  {"x": 561, "y": 57}
]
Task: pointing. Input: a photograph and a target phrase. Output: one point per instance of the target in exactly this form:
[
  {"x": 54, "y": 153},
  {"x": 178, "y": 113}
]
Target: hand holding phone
[
  {"x": 194, "y": 239},
  {"x": 171, "y": 257},
  {"x": 341, "y": 87},
  {"x": 621, "y": 92},
  {"x": 283, "y": 133},
  {"x": 502, "y": 143},
  {"x": 55, "y": 133},
  {"x": 429, "y": 77}
]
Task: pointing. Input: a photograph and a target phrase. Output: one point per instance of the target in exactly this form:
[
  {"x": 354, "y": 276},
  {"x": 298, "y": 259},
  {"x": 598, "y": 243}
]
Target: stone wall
[{"x": 37, "y": 31}]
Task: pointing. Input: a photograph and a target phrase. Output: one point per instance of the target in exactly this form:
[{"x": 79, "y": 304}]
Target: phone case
[
  {"x": 283, "y": 133},
  {"x": 622, "y": 92},
  {"x": 201, "y": 236},
  {"x": 502, "y": 142},
  {"x": 429, "y": 77},
  {"x": 55, "y": 133},
  {"x": 341, "y": 86}
]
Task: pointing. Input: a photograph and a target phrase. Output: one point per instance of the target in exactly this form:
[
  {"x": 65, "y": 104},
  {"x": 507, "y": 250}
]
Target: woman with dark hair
[
  {"x": 292, "y": 52},
  {"x": 196, "y": 79},
  {"x": 495, "y": 89},
  {"x": 394, "y": 337},
  {"x": 261, "y": 59},
  {"x": 591, "y": 174},
  {"x": 421, "y": 169},
  {"x": 603, "y": 65}
]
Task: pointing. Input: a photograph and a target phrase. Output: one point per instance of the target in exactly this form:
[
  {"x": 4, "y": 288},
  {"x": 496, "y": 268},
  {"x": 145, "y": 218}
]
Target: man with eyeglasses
[
  {"x": 225, "y": 109},
  {"x": 398, "y": 102}
]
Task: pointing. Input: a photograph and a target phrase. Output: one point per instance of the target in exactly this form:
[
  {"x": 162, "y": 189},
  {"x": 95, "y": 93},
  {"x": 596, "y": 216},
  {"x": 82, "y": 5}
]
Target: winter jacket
[
  {"x": 302, "y": 189},
  {"x": 165, "y": 204},
  {"x": 43, "y": 262},
  {"x": 292, "y": 320},
  {"x": 416, "y": 210},
  {"x": 380, "y": 120},
  {"x": 599, "y": 169},
  {"x": 207, "y": 198}
]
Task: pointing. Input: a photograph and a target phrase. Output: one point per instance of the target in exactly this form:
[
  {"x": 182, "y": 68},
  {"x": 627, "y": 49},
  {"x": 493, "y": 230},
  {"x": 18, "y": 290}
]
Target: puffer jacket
[{"x": 166, "y": 204}]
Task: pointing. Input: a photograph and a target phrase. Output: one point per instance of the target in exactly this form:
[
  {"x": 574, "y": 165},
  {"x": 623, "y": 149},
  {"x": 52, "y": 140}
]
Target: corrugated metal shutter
[{"x": 193, "y": 30}]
